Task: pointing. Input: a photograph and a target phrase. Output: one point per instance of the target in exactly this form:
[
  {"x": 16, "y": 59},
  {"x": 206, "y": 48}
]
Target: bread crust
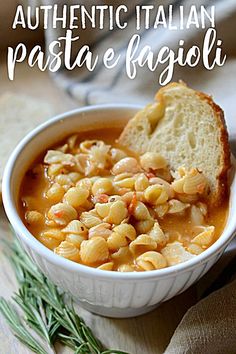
[
  {"x": 219, "y": 195},
  {"x": 223, "y": 189}
]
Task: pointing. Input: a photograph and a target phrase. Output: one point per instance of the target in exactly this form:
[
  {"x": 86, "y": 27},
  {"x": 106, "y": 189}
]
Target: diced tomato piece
[
  {"x": 150, "y": 175},
  {"x": 101, "y": 198},
  {"x": 133, "y": 204},
  {"x": 58, "y": 214}
]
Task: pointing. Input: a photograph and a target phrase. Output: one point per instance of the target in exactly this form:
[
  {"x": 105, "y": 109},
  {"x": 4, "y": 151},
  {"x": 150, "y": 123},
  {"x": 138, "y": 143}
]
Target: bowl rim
[{"x": 27, "y": 238}]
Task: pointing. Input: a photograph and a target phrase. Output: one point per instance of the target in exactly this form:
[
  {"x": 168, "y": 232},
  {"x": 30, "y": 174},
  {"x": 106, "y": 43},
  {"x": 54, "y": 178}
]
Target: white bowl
[{"x": 107, "y": 293}]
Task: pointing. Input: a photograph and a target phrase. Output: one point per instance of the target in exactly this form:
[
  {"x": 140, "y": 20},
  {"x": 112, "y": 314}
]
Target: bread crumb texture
[{"x": 188, "y": 129}]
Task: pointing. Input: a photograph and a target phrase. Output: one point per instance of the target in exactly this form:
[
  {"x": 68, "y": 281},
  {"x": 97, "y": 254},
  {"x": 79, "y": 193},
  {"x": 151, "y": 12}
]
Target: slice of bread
[{"x": 188, "y": 129}]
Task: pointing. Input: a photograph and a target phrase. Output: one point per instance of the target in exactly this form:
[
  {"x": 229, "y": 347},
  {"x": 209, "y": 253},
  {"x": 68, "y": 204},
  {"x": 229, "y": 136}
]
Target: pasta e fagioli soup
[{"x": 96, "y": 203}]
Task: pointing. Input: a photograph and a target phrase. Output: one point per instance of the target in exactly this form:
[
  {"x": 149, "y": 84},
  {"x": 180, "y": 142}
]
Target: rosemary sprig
[
  {"x": 45, "y": 311},
  {"x": 18, "y": 328}
]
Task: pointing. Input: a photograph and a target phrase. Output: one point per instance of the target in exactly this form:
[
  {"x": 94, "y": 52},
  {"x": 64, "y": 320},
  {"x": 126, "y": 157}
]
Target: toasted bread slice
[{"x": 188, "y": 129}]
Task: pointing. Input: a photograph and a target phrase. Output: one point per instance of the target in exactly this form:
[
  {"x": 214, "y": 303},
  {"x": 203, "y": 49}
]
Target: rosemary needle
[
  {"x": 18, "y": 328},
  {"x": 45, "y": 311}
]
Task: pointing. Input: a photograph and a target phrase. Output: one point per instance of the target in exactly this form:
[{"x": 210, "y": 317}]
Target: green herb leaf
[{"x": 45, "y": 311}]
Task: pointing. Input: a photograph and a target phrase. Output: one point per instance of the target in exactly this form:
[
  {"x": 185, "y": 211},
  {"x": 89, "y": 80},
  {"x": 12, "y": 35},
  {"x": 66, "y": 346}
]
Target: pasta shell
[
  {"x": 194, "y": 183},
  {"x": 58, "y": 157},
  {"x": 68, "y": 250},
  {"x": 151, "y": 260},
  {"x": 116, "y": 240},
  {"x": 75, "y": 227},
  {"x": 122, "y": 254},
  {"x": 126, "y": 268},
  {"x": 90, "y": 218},
  {"x": 62, "y": 213},
  {"x": 106, "y": 266},
  {"x": 94, "y": 251},
  {"x": 205, "y": 238},
  {"x": 101, "y": 230},
  {"x": 158, "y": 235},
  {"x": 175, "y": 253},
  {"x": 142, "y": 243},
  {"x": 126, "y": 230},
  {"x": 75, "y": 239}
]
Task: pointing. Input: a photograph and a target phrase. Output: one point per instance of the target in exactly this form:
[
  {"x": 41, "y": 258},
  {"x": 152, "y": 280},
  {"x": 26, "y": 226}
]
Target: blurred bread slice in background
[
  {"x": 188, "y": 129},
  {"x": 18, "y": 115}
]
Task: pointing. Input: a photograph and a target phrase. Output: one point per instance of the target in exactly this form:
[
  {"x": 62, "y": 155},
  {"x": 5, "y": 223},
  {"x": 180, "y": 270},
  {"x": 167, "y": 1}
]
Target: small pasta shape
[
  {"x": 196, "y": 215},
  {"x": 205, "y": 238},
  {"x": 121, "y": 236},
  {"x": 142, "y": 243},
  {"x": 106, "y": 266},
  {"x": 68, "y": 250},
  {"x": 195, "y": 182},
  {"x": 128, "y": 197},
  {"x": 82, "y": 164},
  {"x": 85, "y": 183},
  {"x": 151, "y": 260},
  {"x": 141, "y": 182},
  {"x": 57, "y": 234},
  {"x": 49, "y": 242},
  {"x": 117, "y": 155},
  {"x": 90, "y": 218},
  {"x": 202, "y": 207},
  {"x": 141, "y": 212},
  {"x": 51, "y": 238},
  {"x": 55, "y": 157},
  {"x": 126, "y": 268},
  {"x": 144, "y": 226},
  {"x": 168, "y": 188},
  {"x": 116, "y": 241},
  {"x": 75, "y": 239},
  {"x": 98, "y": 155},
  {"x": 76, "y": 196},
  {"x": 128, "y": 164},
  {"x": 122, "y": 254},
  {"x": 100, "y": 230},
  {"x": 103, "y": 209},
  {"x": 117, "y": 213},
  {"x": 54, "y": 170},
  {"x": 161, "y": 210},
  {"x": 94, "y": 251},
  {"x": 102, "y": 186},
  {"x": 74, "y": 176},
  {"x": 71, "y": 141},
  {"x": 125, "y": 182},
  {"x": 175, "y": 253},
  {"x": 34, "y": 217},
  {"x": 152, "y": 161},
  {"x": 188, "y": 198},
  {"x": 62, "y": 213},
  {"x": 86, "y": 145},
  {"x": 75, "y": 227},
  {"x": 195, "y": 249},
  {"x": 156, "y": 194},
  {"x": 55, "y": 193},
  {"x": 127, "y": 230},
  {"x": 158, "y": 235},
  {"x": 64, "y": 180},
  {"x": 191, "y": 182},
  {"x": 177, "y": 207}
]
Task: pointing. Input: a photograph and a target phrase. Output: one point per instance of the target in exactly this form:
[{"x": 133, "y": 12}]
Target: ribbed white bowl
[{"x": 112, "y": 294}]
